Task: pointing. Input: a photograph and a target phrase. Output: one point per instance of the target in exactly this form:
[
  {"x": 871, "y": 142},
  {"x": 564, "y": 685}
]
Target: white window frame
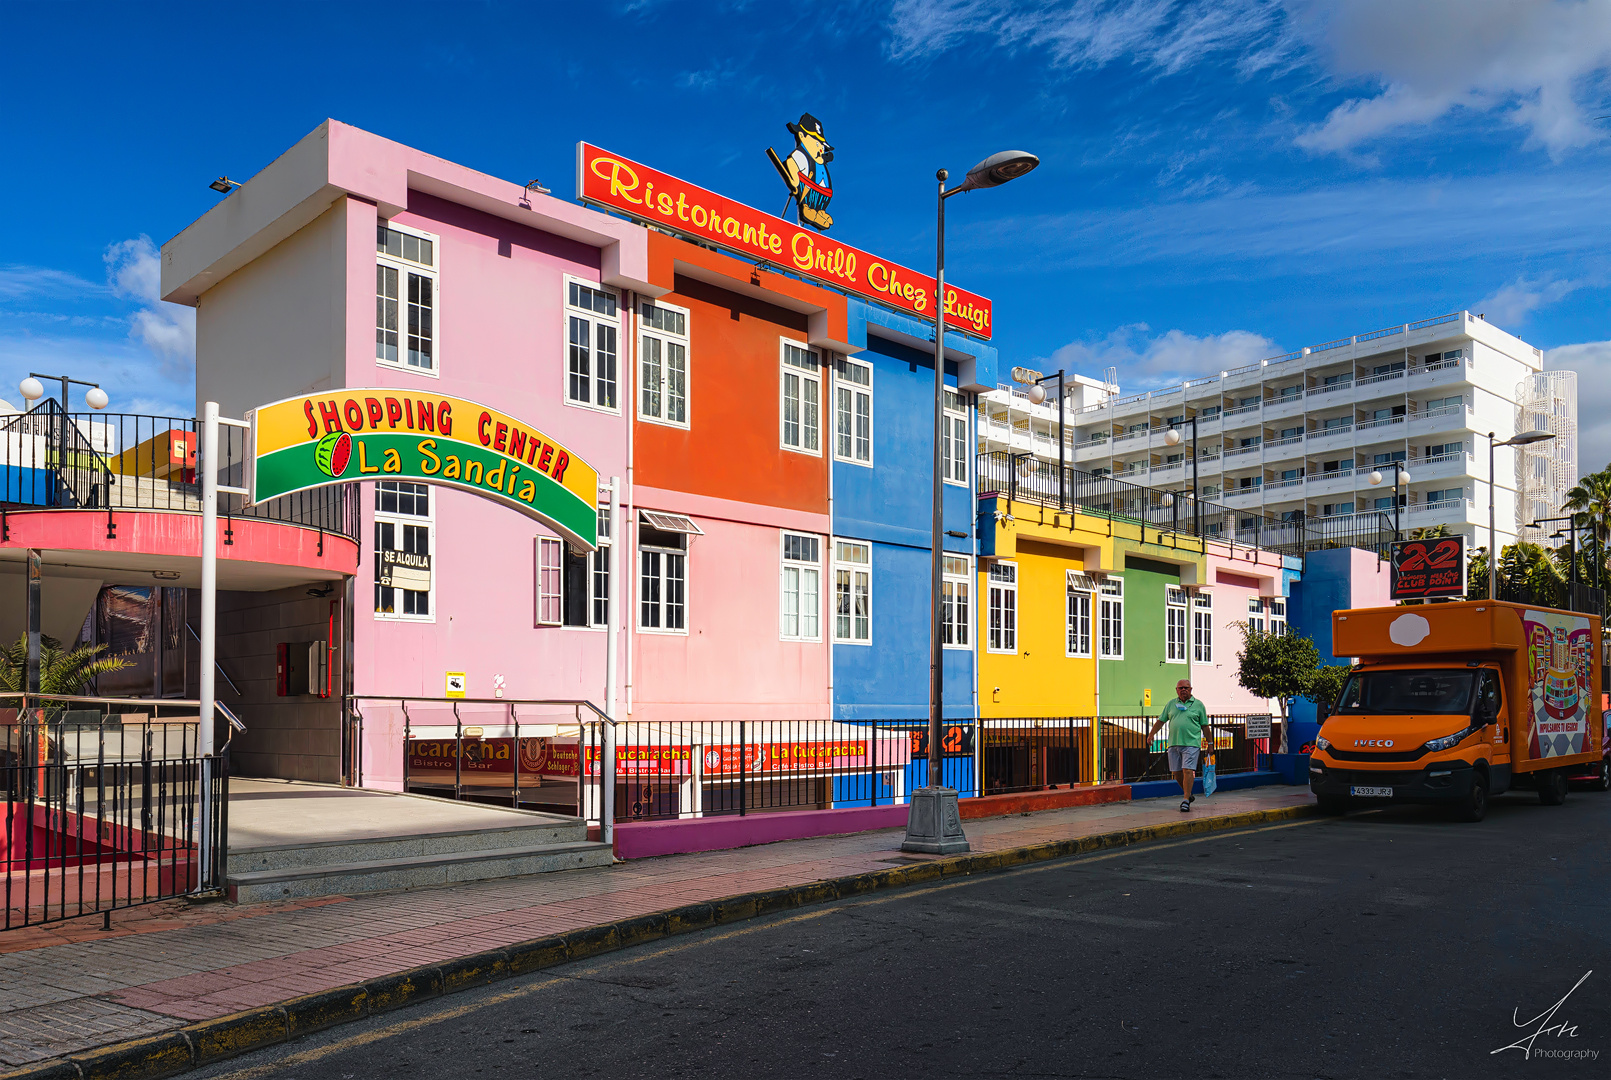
[
  {"x": 398, "y": 521},
  {"x": 667, "y": 340},
  {"x": 850, "y": 579},
  {"x": 1077, "y": 618},
  {"x": 1202, "y": 628},
  {"x": 957, "y": 587},
  {"x": 663, "y": 578},
  {"x": 857, "y": 394},
  {"x": 1002, "y": 608},
  {"x": 405, "y": 267},
  {"x": 786, "y": 371},
  {"x": 1110, "y": 619},
  {"x": 1177, "y": 625},
  {"x": 1276, "y": 607},
  {"x": 549, "y": 560},
  {"x": 598, "y": 566},
  {"x": 807, "y": 571},
  {"x": 595, "y": 320},
  {"x": 954, "y": 433},
  {"x": 1255, "y": 614}
]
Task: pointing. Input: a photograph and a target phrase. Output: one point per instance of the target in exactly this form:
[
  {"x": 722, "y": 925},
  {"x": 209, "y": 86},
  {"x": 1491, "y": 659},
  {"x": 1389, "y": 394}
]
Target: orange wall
[{"x": 732, "y": 449}]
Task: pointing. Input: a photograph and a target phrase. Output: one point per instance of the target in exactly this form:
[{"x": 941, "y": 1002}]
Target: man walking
[{"x": 1186, "y": 718}]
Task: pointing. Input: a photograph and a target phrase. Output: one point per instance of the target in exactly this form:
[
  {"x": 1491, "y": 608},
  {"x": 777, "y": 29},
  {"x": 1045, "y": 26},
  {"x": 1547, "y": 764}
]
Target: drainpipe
[{"x": 630, "y": 518}]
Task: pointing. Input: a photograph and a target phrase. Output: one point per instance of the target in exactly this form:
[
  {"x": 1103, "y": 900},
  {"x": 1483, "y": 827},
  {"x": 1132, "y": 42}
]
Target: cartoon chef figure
[{"x": 805, "y": 171}]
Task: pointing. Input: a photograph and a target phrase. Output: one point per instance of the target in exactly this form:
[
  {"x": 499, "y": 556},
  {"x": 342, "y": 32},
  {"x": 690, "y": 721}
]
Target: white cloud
[
  {"x": 1511, "y": 304},
  {"x": 1152, "y": 360},
  {"x": 1412, "y": 62},
  {"x": 17, "y": 282},
  {"x": 1167, "y": 34},
  {"x": 1524, "y": 58},
  {"x": 1592, "y": 362},
  {"x": 134, "y": 272}
]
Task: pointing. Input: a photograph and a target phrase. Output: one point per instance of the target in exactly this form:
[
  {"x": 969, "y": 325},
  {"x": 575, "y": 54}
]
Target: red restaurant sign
[{"x": 661, "y": 199}]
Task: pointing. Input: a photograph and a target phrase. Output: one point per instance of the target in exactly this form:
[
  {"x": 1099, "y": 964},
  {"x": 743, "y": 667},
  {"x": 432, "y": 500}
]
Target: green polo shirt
[{"x": 1186, "y": 721}]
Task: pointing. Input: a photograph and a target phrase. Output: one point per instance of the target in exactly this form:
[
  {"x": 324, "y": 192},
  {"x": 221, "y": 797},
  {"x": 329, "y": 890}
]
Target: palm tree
[
  {"x": 1589, "y": 502},
  {"x": 60, "y": 672}
]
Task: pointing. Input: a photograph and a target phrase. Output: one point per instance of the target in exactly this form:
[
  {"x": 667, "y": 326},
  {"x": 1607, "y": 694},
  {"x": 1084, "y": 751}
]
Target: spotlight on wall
[
  {"x": 165, "y": 575},
  {"x": 326, "y": 591},
  {"x": 223, "y": 185}
]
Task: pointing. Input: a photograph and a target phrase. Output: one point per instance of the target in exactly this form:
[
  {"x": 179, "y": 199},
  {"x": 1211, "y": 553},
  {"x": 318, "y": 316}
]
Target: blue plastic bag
[{"x": 1210, "y": 776}]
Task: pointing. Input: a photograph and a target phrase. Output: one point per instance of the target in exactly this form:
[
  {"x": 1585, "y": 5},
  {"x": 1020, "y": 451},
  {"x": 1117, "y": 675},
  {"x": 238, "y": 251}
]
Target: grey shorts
[{"x": 1183, "y": 757}]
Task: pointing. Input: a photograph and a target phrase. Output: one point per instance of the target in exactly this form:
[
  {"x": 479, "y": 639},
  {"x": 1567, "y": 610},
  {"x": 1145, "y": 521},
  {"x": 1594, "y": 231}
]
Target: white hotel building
[{"x": 1300, "y": 435}]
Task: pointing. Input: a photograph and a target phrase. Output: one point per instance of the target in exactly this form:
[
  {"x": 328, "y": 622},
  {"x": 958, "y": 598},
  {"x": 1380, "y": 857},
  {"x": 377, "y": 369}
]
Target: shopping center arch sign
[
  {"x": 381, "y": 433},
  {"x": 662, "y": 200}
]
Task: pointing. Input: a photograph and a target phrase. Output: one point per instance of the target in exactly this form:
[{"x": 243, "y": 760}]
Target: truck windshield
[{"x": 1404, "y": 692}]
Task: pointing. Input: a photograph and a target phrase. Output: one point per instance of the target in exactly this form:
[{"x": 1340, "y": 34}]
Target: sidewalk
[{"x": 71, "y": 987}]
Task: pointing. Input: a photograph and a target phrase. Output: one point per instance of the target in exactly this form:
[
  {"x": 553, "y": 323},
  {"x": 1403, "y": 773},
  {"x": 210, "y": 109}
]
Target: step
[
  {"x": 443, "y": 868},
  {"x": 547, "y": 830}
]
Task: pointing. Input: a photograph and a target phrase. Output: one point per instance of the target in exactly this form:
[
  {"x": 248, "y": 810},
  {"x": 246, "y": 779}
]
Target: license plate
[{"x": 1371, "y": 792}]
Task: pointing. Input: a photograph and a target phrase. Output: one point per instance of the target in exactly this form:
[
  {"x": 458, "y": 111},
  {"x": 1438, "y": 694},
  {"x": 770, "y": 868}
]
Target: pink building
[{"x": 354, "y": 261}]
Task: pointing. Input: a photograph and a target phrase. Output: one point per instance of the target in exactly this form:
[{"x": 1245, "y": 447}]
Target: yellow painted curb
[{"x": 210, "y": 1041}]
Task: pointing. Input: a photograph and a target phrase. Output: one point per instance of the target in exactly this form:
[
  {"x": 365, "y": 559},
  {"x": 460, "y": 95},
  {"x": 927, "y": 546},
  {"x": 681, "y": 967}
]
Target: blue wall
[
  {"x": 1326, "y": 586},
  {"x": 889, "y": 504}
]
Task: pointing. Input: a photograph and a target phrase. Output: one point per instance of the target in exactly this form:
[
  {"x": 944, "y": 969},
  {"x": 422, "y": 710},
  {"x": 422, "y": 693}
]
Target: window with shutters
[
  {"x": 405, "y": 299},
  {"x": 800, "y": 399},
  {"x": 853, "y": 592},
  {"x": 853, "y": 411},
  {"x": 663, "y": 365},
  {"x": 1003, "y": 608},
  {"x": 592, "y": 323}
]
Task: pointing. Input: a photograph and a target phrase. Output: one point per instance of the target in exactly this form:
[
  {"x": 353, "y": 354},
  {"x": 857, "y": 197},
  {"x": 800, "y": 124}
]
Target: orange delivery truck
[{"x": 1454, "y": 703}]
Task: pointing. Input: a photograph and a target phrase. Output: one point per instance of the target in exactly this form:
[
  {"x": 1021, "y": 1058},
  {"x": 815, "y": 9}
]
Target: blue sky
[{"x": 1222, "y": 179}]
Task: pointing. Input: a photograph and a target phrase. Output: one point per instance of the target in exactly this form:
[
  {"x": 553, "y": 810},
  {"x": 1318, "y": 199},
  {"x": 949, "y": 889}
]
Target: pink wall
[
  {"x": 501, "y": 332},
  {"x": 731, "y": 664},
  {"x": 1234, "y": 578},
  {"x": 1369, "y": 580}
]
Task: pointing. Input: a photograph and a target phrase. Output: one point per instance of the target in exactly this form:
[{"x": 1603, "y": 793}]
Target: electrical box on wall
[{"x": 302, "y": 668}]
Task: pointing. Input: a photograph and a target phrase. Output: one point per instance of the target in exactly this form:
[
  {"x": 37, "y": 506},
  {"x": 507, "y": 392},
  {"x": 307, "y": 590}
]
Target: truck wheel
[
  {"x": 1552, "y": 787},
  {"x": 1474, "y": 807},
  {"x": 1602, "y": 780},
  {"x": 1332, "y": 805}
]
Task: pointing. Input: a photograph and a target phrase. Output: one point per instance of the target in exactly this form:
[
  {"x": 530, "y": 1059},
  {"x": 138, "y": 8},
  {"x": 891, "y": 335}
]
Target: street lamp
[
  {"x": 1401, "y": 475},
  {"x": 1172, "y": 437},
  {"x": 32, "y": 390},
  {"x": 1524, "y": 438},
  {"x": 933, "y": 825},
  {"x": 1570, "y": 536},
  {"x": 1037, "y": 394}
]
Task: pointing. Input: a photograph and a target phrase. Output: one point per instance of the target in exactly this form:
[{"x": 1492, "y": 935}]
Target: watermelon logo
[{"x": 333, "y": 453}]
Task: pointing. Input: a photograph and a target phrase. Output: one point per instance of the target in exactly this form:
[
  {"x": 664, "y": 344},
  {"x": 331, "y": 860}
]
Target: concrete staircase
[{"x": 540, "y": 845}]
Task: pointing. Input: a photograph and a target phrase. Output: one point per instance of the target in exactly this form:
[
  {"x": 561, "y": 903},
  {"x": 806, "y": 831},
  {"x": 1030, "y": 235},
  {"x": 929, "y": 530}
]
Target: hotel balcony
[{"x": 1323, "y": 440}]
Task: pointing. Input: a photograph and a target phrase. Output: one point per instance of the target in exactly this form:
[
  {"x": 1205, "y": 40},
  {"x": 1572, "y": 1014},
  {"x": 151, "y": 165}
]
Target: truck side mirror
[{"x": 1488, "y": 711}]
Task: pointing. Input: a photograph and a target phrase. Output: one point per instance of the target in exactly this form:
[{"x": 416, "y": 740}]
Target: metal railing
[
  {"x": 998, "y": 473},
  {"x": 123, "y": 461},
  {"x": 1129, "y": 756},
  {"x": 109, "y": 805}
]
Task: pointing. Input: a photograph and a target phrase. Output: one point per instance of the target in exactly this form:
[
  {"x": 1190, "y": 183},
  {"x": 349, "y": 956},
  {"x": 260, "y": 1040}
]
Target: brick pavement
[{"x": 72, "y": 987}]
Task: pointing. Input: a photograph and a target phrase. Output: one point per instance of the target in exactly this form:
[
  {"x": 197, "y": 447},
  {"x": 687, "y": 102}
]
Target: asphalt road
[{"x": 1388, "y": 944}]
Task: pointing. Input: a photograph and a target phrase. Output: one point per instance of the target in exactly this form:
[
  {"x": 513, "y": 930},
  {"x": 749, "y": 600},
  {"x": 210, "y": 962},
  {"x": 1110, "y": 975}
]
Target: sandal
[{"x": 1185, "y": 807}]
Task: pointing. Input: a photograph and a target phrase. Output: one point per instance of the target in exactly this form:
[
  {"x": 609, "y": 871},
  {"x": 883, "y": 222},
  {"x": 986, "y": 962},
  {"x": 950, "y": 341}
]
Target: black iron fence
[
  {"x": 532, "y": 755},
  {"x": 108, "y": 806},
  {"x": 124, "y": 461},
  {"x": 1026, "y": 478}
]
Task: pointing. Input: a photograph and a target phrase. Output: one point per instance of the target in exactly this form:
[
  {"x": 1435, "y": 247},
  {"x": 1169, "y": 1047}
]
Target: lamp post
[
  {"x": 1401, "y": 475},
  {"x": 1521, "y": 439},
  {"x": 1037, "y": 394},
  {"x": 933, "y": 824},
  {"x": 1172, "y": 437},
  {"x": 1170, "y": 500},
  {"x": 1570, "y": 536}
]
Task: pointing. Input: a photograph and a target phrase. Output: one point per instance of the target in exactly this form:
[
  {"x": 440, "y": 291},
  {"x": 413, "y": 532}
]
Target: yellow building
[{"x": 1074, "y": 623}]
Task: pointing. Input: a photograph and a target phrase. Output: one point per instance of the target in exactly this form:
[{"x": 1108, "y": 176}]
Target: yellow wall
[{"x": 1039, "y": 679}]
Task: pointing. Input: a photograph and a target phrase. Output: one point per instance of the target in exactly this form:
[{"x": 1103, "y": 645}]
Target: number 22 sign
[{"x": 1428, "y": 568}]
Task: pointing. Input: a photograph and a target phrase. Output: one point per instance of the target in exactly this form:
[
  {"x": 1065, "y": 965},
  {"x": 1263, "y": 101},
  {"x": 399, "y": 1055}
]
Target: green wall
[{"x": 1143, "y": 666}]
